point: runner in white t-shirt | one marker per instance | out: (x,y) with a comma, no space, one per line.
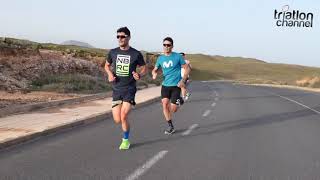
(184,91)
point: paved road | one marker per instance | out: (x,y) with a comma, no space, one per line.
(226,131)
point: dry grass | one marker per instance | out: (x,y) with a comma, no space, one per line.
(205,67)
(250,71)
(313,82)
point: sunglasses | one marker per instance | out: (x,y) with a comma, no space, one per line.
(121,37)
(167,45)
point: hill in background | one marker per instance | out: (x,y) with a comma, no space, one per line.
(249,70)
(70,68)
(77,43)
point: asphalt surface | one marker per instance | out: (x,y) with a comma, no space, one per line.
(225,131)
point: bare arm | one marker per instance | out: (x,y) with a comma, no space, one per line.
(111,77)
(143,71)
(154,73)
(186,72)
(185,75)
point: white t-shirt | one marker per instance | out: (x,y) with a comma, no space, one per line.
(182,69)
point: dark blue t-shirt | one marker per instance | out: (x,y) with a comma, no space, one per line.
(123,63)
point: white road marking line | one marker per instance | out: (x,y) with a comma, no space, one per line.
(213,104)
(318,112)
(141,170)
(206,113)
(189,130)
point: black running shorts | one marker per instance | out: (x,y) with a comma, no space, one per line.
(172,93)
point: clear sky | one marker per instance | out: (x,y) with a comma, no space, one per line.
(230,27)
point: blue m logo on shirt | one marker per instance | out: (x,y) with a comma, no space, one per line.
(167,64)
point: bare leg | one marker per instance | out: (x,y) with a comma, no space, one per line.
(116,112)
(166,109)
(125,110)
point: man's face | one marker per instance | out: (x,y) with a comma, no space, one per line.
(123,39)
(167,46)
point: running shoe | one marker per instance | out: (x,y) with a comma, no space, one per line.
(125,145)
(170,130)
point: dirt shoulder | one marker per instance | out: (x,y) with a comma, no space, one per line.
(19,98)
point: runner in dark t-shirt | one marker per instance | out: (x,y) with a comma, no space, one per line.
(121,67)
(124,62)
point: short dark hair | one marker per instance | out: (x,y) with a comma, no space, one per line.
(168,39)
(124,30)
(182,54)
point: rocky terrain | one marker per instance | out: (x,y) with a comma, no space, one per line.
(20,65)
(31,72)
(24,63)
